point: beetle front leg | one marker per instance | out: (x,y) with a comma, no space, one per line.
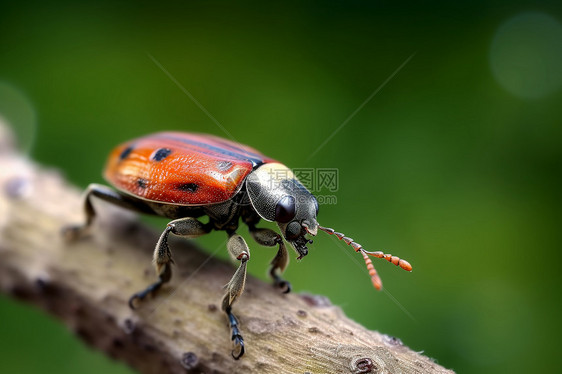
(73,232)
(239,250)
(270,238)
(188,227)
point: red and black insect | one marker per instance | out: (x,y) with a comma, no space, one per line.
(183,176)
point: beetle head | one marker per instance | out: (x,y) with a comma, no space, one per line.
(277,195)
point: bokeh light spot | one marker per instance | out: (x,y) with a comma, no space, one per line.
(526,55)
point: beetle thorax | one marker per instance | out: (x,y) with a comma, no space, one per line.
(266,186)
(277,195)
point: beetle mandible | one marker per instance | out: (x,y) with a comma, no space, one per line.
(184,176)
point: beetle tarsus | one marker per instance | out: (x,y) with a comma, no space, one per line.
(237,339)
(285,286)
(144,293)
(282,284)
(239,344)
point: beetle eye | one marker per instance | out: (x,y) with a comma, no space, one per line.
(285,209)
(293,230)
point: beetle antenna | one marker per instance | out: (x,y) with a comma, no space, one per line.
(377,283)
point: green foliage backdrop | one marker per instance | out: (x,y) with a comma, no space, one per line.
(455,164)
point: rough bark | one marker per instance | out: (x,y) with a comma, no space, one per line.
(181,330)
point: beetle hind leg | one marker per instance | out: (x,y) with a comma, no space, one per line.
(239,250)
(74,232)
(270,238)
(188,227)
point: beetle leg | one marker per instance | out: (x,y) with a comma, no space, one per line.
(188,227)
(270,238)
(73,232)
(239,250)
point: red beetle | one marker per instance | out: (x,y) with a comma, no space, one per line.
(184,176)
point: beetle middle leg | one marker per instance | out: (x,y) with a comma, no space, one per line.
(270,238)
(239,250)
(188,227)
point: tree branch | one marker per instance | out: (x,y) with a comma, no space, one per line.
(87,285)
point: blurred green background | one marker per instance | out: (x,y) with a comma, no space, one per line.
(455,164)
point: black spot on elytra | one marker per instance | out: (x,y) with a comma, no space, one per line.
(224,165)
(142,183)
(160,154)
(188,187)
(126,152)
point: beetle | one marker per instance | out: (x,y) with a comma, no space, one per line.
(185,176)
